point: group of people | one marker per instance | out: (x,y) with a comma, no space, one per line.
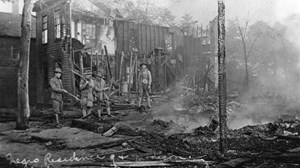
(93,89)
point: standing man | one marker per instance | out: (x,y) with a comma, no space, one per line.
(102,98)
(87,98)
(144,82)
(57,91)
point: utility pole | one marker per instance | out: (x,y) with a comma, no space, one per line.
(222,75)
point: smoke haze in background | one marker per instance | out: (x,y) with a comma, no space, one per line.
(276,94)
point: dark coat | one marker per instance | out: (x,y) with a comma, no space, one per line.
(57,87)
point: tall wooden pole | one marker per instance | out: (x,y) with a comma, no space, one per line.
(23,72)
(91,57)
(222,75)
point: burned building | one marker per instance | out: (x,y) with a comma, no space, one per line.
(67,30)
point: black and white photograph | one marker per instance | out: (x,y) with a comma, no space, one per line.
(150,83)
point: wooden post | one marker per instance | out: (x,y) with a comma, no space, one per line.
(91,60)
(81,63)
(130,71)
(97,60)
(121,63)
(158,69)
(222,75)
(108,64)
(102,55)
(136,73)
(165,74)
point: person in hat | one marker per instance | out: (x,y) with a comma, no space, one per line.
(144,83)
(102,98)
(86,88)
(57,91)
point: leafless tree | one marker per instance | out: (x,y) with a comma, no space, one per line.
(243,32)
(23,73)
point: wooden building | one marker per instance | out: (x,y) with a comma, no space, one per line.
(10,37)
(70,29)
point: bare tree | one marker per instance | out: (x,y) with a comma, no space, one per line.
(23,98)
(243,32)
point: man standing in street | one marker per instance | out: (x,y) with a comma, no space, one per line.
(86,87)
(144,82)
(56,94)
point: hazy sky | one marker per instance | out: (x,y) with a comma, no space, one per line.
(269,11)
(205,10)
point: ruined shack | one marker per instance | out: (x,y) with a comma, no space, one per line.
(67,30)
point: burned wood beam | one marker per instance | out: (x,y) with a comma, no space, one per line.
(222,75)
(128,131)
(141,148)
(279,158)
(236,162)
(289,137)
(108,64)
(112,144)
(94,127)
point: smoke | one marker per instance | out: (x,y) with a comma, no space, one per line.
(275,95)
(181,111)
(288,14)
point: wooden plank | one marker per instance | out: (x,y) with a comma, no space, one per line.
(148,39)
(126,36)
(140,38)
(160,37)
(153,37)
(295,150)
(119,32)
(144,38)
(123,36)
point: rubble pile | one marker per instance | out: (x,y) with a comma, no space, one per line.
(160,139)
(250,142)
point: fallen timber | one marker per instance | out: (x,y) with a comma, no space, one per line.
(160,163)
(282,158)
(94,127)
